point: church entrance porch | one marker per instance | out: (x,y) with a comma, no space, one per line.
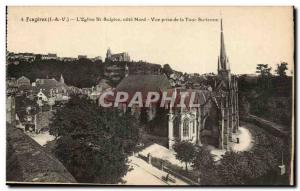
(210,134)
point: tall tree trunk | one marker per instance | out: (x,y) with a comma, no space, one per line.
(186,166)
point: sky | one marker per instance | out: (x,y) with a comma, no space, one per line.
(253,35)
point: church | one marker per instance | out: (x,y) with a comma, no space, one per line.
(119,57)
(212,122)
(217,118)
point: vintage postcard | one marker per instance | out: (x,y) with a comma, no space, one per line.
(165,96)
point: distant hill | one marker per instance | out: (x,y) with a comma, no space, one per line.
(80,73)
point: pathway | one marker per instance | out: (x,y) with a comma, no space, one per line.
(146,174)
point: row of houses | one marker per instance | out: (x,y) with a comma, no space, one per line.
(33,104)
(15,58)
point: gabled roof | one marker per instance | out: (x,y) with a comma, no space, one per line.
(47,84)
(144,83)
(103,83)
(119,54)
(23,78)
(201,96)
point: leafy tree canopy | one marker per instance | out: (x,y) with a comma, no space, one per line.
(167,70)
(239,168)
(92,142)
(204,164)
(281,69)
(263,70)
(185,152)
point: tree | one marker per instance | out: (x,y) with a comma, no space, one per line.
(263,70)
(167,70)
(185,152)
(93,142)
(281,69)
(204,164)
(241,168)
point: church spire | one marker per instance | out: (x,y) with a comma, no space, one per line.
(224,64)
(62,80)
(108,53)
(219,67)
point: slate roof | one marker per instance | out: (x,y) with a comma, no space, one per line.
(27,161)
(119,54)
(201,96)
(23,78)
(103,84)
(146,83)
(142,83)
(47,84)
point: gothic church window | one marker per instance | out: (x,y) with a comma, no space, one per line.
(176,126)
(186,127)
(193,126)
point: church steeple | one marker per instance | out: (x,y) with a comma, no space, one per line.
(108,53)
(219,67)
(223,59)
(62,80)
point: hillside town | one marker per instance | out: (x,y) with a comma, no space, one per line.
(201,144)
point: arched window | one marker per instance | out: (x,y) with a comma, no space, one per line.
(194,126)
(186,127)
(176,123)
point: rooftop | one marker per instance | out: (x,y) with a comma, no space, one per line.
(28,162)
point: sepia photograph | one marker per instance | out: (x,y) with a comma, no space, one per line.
(150,95)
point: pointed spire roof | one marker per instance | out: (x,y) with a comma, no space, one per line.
(108,50)
(219,63)
(108,53)
(223,59)
(62,80)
